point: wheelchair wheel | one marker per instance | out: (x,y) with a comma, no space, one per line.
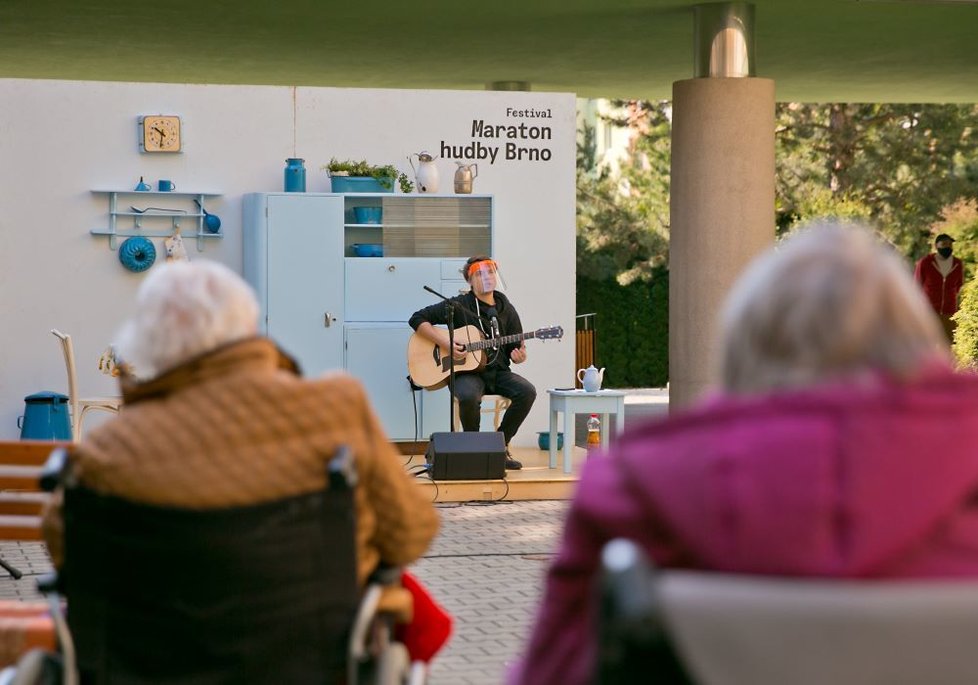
(393,665)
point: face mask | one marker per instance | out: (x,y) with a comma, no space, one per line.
(945,252)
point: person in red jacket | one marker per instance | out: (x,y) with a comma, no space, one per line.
(941,275)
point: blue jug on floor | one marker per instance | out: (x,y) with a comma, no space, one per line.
(45,417)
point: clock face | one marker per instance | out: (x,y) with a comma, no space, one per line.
(160,133)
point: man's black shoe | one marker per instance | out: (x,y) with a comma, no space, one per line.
(512,464)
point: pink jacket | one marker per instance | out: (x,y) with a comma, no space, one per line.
(875,480)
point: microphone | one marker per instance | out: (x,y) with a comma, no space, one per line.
(493,326)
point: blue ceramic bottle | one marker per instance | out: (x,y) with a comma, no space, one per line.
(295,175)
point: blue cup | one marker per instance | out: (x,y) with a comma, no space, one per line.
(166,186)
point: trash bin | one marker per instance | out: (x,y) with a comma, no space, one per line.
(45,417)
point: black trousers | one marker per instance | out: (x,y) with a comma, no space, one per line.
(470,387)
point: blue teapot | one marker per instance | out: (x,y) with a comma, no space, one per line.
(591,378)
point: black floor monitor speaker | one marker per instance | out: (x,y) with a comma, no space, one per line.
(467,456)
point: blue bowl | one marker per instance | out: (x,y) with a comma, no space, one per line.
(368,249)
(368,215)
(543,440)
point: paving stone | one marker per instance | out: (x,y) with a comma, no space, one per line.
(493,593)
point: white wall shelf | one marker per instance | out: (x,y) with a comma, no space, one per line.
(156,216)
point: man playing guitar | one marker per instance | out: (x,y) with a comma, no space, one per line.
(492,313)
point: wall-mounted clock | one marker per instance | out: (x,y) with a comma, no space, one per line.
(160,133)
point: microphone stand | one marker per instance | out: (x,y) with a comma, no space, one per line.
(450,315)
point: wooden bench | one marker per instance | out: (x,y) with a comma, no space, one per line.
(21,499)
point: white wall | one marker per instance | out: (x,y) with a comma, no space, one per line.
(61,139)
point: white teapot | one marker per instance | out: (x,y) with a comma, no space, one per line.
(591,378)
(426,173)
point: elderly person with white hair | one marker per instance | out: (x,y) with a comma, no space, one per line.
(220,418)
(840,443)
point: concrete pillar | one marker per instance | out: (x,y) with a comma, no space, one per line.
(722,213)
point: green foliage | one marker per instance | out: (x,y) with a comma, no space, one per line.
(822,203)
(909,170)
(966,333)
(623,221)
(622,249)
(632,328)
(896,164)
(386,174)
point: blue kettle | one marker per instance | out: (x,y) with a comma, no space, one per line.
(212,222)
(45,417)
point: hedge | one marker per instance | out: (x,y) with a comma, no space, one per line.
(631,329)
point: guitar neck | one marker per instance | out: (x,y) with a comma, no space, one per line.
(502,340)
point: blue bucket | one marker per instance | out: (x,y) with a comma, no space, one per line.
(543,440)
(45,417)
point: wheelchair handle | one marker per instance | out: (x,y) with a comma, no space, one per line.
(55,470)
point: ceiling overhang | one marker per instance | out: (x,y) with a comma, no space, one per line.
(825,50)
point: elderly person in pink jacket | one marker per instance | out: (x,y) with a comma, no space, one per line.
(840,443)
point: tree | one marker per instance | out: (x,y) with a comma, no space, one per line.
(910,170)
(623,220)
(622,249)
(898,165)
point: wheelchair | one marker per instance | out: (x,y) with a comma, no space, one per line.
(242,595)
(690,627)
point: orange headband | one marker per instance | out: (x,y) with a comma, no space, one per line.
(474,266)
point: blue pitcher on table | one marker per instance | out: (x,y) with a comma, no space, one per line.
(591,378)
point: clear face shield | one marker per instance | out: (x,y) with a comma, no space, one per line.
(484,277)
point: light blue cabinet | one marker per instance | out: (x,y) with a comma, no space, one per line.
(293,258)
(334,310)
(375,355)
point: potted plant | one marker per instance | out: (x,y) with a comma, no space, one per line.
(351,176)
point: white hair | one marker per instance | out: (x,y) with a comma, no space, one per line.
(184,309)
(830,301)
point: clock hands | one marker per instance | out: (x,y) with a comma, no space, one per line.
(160,133)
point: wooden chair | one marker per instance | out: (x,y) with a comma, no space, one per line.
(491,404)
(21,503)
(81,405)
(21,498)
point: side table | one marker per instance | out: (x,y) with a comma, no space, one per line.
(571,402)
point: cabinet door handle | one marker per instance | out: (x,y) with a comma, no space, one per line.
(328,319)
(391,268)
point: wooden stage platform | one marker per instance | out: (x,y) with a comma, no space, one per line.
(535,481)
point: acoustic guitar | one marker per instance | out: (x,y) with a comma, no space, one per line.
(428,363)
